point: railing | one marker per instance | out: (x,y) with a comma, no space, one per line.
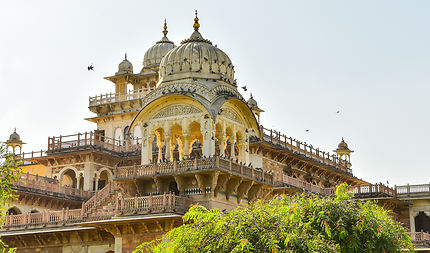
(419,237)
(413,189)
(306,186)
(39,183)
(154,204)
(175,167)
(165,202)
(374,189)
(304,149)
(98,197)
(92,139)
(116,97)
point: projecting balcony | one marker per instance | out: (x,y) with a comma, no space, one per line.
(305,150)
(110,98)
(49,187)
(85,141)
(195,165)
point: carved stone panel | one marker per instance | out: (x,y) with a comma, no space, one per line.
(176,110)
(230,114)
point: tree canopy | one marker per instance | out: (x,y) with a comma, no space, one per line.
(9,173)
(296,223)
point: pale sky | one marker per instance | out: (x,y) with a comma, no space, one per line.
(302,60)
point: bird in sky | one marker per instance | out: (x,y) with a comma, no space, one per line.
(91,67)
(244,88)
(307,130)
(338,111)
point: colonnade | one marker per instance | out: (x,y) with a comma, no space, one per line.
(186,138)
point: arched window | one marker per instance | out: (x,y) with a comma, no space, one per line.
(422,222)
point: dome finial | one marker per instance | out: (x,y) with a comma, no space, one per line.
(126,56)
(165,28)
(14,129)
(196,23)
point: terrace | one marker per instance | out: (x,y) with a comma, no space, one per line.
(166,203)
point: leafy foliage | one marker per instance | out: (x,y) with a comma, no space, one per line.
(298,223)
(9,172)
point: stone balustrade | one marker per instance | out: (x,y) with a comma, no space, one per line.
(304,149)
(376,189)
(37,184)
(131,205)
(301,184)
(109,98)
(198,164)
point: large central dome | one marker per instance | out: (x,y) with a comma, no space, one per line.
(196,57)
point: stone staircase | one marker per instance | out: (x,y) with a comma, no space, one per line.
(103,201)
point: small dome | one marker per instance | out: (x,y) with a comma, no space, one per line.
(196,57)
(154,54)
(14,137)
(251,102)
(125,67)
(342,145)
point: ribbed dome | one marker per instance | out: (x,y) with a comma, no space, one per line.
(14,137)
(342,145)
(125,67)
(155,53)
(251,102)
(196,57)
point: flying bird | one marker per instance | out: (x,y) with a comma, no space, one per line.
(91,67)
(244,88)
(307,130)
(337,111)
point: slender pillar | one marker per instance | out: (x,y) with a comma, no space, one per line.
(168,147)
(186,147)
(160,149)
(96,183)
(232,151)
(221,142)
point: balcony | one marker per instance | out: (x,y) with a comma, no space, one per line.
(195,165)
(167,203)
(110,98)
(49,187)
(305,150)
(371,191)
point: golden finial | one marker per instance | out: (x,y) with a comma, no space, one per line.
(196,23)
(165,28)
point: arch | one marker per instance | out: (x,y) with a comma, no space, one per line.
(69,178)
(65,170)
(14,211)
(118,134)
(422,222)
(244,113)
(155,106)
(127,133)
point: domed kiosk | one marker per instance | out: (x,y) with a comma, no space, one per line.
(196,109)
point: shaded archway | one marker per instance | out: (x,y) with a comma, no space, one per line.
(173,188)
(69,178)
(13,211)
(422,222)
(103,180)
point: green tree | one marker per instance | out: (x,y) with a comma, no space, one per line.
(9,173)
(298,223)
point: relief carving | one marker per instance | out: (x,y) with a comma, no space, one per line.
(177,110)
(229,114)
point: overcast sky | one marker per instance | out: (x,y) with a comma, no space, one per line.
(302,60)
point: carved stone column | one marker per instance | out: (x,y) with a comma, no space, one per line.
(222,145)
(168,147)
(186,148)
(232,151)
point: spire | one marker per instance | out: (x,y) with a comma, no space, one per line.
(14,130)
(125,56)
(165,28)
(196,23)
